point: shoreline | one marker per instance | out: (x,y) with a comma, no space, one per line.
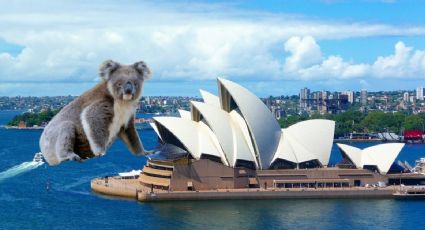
(358,140)
(18,128)
(150,128)
(133,189)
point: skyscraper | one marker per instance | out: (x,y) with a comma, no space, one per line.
(413,99)
(363,97)
(420,93)
(304,95)
(406,97)
(350,95)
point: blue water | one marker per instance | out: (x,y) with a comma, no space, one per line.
(25,203)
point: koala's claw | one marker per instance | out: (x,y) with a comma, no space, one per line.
(101,154)
(148,152)
(144,152)
(75,157)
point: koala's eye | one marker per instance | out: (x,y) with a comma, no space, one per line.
(119,84)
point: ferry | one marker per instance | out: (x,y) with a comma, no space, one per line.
(38,157)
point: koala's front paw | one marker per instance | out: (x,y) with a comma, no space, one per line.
(148,152)
(143,152)
(75,157)
(101,154)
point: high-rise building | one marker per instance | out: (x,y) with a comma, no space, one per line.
(269,102)
(318,103)
(420,93)
(304,96)
(277,113)
(413,99)
(406,97)
(317,95)
(350,95)
(363,97)
(325,95)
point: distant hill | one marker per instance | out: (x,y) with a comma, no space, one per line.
(33,119)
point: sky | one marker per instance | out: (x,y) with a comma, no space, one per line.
(271,47)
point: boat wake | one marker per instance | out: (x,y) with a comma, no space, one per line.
(21,168)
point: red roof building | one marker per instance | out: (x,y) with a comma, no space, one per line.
(413,135)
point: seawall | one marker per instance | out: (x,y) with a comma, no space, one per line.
(115,187)
(263,194)
(131,188)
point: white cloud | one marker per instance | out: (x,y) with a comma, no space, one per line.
(405,62)
(305,61)
(304,52)
(66,41)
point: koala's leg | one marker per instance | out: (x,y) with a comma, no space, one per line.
(65,143)
(95,119)
(131,138)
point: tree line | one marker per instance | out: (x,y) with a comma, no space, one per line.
(371,122)
(345,123)
(32,119)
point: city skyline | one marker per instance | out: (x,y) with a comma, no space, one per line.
(272,48)
(307,101)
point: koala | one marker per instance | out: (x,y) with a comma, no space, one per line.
(87,126)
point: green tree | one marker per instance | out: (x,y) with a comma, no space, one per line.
(285,122)
(353,120)
(32,119)
(414,122)
(378,121)
(348,122)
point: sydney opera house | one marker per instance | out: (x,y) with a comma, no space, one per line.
(237,130)
(232,142)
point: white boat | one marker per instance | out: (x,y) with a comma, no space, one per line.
(132,173)
(420,166)
(38,157)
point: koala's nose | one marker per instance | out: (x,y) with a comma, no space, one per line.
(128,88)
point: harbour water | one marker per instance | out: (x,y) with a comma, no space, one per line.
(60,198)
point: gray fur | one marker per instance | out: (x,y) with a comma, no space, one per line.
(107,68)
(129,136)
(88,125)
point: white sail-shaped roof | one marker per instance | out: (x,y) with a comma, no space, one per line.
(186,131)
(263,127)
(382,156)
(218,121)
(242,141)
(306,141)
(196,137)
(301,152)
(228,134)
(238,128)
(210,98)
(284,150)
(184,114)
(354,154)
(316,136)
(208,143)
(152,124)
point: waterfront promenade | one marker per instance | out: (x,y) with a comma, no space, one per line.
(131,188)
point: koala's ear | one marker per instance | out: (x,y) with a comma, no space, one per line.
(107,68)
(143,69)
